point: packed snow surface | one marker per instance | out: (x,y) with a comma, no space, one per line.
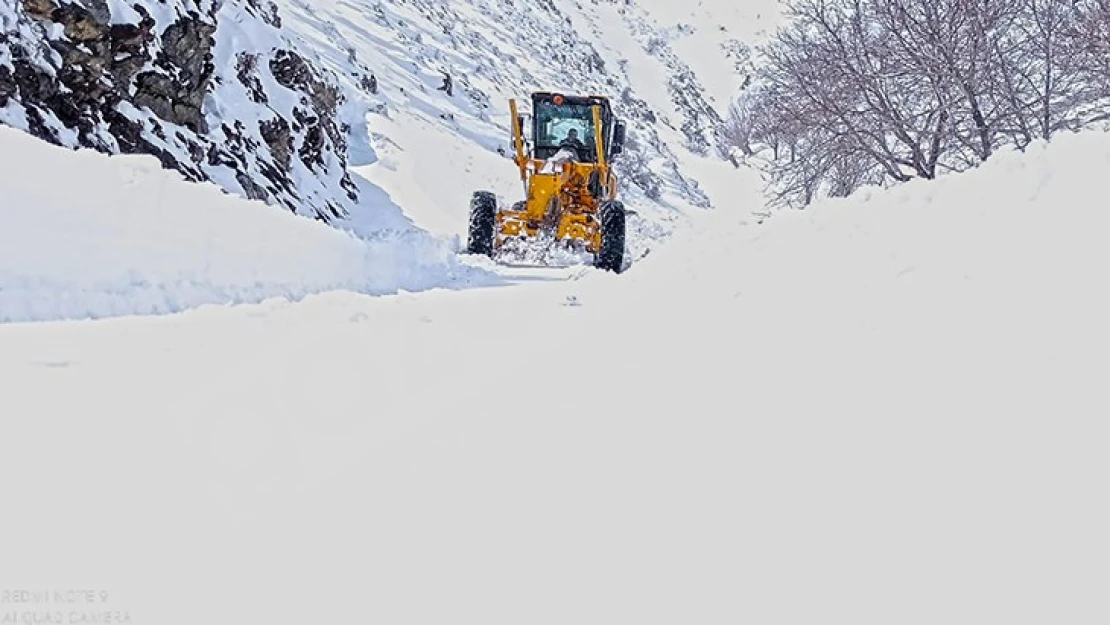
(885,409)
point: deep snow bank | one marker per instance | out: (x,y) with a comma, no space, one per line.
(1024,225)
(972,297)
(124,236)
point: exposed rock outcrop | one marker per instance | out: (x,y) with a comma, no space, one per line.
(154,81)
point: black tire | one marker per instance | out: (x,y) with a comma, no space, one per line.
(483,219)
(610,256)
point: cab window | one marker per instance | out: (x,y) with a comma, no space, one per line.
(554,121)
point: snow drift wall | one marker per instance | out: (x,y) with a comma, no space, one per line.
(125,236)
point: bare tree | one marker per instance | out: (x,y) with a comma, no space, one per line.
(1041,77)
(1089,38)
(855,92)
(848,113)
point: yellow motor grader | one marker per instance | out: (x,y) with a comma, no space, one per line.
(569,184)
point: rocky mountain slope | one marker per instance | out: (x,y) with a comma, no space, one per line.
(332,108)
(213,89)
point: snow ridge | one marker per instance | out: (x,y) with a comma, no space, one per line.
(128,237)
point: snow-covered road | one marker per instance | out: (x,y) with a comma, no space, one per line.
(733,431)
(886,409)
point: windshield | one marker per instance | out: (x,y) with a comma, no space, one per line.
(555,121)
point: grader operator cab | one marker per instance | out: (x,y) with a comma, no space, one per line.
(570,188)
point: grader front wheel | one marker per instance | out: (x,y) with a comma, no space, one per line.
(610,256)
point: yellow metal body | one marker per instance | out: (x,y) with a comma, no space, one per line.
(558,199)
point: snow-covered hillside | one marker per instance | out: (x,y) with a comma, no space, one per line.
(714,38)
(324,107)
(889,408)
(433,150)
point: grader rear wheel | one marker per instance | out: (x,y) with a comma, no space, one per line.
(483,220)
